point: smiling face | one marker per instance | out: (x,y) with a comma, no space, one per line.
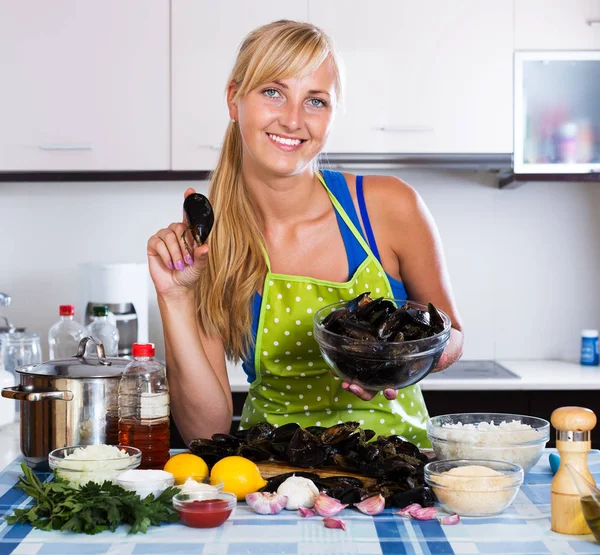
(285,123)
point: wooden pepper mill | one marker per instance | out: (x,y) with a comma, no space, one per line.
(573,441)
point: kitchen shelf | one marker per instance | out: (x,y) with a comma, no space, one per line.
(510,180)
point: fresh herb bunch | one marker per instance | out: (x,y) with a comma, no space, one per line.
(92,508)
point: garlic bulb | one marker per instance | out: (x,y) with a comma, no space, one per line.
(301,492)
(265,503)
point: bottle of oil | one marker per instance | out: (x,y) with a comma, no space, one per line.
(144,407)
(590,500)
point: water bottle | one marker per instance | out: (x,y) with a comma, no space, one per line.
(144,407)
(65,335)
(102,331)
(589,348)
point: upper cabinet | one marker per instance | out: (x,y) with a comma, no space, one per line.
(205,38)
(85,85)
(557,24)
(422,77)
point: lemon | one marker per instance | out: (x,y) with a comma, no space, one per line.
(186,465)
(240,476)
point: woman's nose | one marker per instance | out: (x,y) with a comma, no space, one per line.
(291,116)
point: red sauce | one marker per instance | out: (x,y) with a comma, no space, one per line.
(207,513)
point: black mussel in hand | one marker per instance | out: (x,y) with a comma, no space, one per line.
(200,216)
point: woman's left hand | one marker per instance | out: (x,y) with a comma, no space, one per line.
(368,395)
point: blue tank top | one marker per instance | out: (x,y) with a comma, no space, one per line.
(336,183)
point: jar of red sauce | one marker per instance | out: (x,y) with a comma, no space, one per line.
(204,509)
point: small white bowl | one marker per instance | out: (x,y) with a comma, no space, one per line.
(145,482)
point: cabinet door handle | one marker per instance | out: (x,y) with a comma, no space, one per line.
(211,147)
(65,147)
(406,129)
(594,22)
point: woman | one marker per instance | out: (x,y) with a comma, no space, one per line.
(287,240)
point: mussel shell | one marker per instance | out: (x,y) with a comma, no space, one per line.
(200,216)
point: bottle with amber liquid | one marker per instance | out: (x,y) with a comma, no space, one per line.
(144,407)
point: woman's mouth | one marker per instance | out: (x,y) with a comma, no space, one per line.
(286,144)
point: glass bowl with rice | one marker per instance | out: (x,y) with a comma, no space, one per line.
(513,438)
(80,464)
(474,487)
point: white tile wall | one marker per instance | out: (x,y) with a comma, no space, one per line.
(524,263)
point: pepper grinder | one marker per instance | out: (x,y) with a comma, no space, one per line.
(573,440)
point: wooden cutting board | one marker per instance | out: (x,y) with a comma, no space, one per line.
(268,469)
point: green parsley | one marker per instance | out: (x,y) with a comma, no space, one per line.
(90,509)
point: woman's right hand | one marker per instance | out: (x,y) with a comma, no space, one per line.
(173,269)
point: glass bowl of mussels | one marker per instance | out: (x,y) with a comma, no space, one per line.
(381,343)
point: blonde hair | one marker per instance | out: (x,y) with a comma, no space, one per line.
(237,266)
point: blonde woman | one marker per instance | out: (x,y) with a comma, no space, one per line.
(287,240)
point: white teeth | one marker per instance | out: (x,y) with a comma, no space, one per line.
(290,142)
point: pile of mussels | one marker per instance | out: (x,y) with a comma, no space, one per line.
(395,463)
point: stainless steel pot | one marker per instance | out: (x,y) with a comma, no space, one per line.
(67,402)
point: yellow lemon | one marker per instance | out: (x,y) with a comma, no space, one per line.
(186,465)
(240,476)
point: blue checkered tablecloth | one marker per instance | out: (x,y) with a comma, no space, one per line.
(524,528)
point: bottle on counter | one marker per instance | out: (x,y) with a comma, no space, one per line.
(144,407)
(102,331)
(589,348)
(64,336)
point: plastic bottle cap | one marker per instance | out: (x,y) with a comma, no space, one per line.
(589,333)
(66,310)
(142,350)
(100,310)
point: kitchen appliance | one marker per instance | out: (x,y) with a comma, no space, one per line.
(67,402)
(124,289)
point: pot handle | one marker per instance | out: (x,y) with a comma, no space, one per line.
(19,394)
(99,350)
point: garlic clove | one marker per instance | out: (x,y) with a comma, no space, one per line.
(327,506)
(306,512)
(450,519)
(371,505)
(265,503)
(427,513)
(330,522)
(407,510)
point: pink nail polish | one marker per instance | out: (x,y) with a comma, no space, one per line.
(170,264)
(354,389)
(188,259)
(180,265)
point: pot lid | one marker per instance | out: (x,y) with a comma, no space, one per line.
(79,366)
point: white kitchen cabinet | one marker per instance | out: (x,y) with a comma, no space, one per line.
(85,85)
(205,38)
(422,77)
(557,24)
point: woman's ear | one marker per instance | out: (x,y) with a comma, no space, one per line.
(232,89)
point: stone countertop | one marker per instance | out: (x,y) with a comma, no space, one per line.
(533,374)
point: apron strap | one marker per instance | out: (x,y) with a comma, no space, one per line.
(344,216)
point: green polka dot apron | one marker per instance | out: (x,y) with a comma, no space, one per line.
(293,383)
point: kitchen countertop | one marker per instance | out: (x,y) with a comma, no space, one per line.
(533,374)
(523,528)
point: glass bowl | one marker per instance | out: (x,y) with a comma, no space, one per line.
(204,509)
(467,436)
(95,468)
(469,495)
(379,365)
(145,482)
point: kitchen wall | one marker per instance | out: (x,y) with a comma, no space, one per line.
(524,263)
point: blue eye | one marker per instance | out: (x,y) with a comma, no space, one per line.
(271,93)
(317,103)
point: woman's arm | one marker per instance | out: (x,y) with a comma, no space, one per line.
(201,402)
(411,250)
